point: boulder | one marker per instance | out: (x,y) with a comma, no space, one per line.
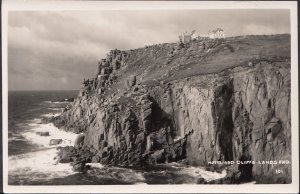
(55,141)
(201,180)
(65,154)
(79,140)
(64,159)
(80,167)
(43,133)
(157,157)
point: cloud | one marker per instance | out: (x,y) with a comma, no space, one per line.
(57,49)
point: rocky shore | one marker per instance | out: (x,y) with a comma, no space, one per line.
(227,101)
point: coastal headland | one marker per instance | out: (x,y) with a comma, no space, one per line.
(206,100)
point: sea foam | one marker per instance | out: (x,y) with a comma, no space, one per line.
(37,166)
(54,133)
(50,115)
(41,165)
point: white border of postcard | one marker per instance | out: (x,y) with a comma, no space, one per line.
(19,5)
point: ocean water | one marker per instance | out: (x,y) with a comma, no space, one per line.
(31,158)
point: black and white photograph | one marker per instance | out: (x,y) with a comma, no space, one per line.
(153,95)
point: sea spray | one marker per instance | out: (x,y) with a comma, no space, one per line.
(40,165)
(54,133)
(36,166)
(48,115)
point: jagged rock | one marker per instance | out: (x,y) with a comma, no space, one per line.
(55,141)
(80,167)
(135,89)
(132,81)
(65,154)
(201,181)
(79,140)
(105,70)
(116,64)
(157,157)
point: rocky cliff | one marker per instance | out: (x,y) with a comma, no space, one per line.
(208,100)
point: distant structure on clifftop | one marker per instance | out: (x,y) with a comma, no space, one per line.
(187,37)
(217,33)
(212,34)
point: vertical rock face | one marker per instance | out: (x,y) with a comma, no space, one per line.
(262,117)
(245,117)
(237,114)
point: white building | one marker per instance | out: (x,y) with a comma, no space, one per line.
(194,35)
(214,34)
(217,33)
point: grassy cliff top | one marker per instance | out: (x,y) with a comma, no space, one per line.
(171,61)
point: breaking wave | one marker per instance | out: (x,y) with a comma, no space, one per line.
(40,165)
(35,167)
(50,115)
(54,133)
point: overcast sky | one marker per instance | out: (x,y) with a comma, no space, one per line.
(56,50)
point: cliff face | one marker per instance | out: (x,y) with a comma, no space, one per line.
(222,100)
(245,117)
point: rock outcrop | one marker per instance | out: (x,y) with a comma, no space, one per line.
(43,133)
(164,103)
(55,141)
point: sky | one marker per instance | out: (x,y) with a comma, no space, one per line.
(55,50)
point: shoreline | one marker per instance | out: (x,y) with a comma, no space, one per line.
(45,156)
(48,166)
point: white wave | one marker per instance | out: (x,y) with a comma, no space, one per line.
(37,166)
(116,173)
(54,133)
(50,115)
(95,165)
(201,172)
(139,178)
(34,122)
(15,139)
(61,102)
(56,109)
(197,172)
(41,165)
(55,102)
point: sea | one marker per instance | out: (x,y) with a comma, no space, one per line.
(31,160)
